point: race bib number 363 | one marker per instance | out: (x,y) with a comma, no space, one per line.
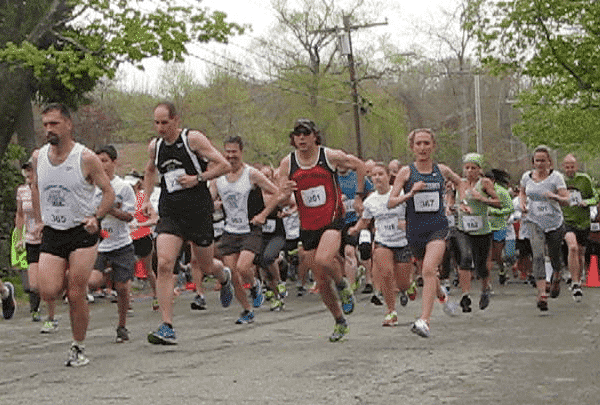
(314,197)
(427,201)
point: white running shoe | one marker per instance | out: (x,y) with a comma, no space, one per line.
(421,328)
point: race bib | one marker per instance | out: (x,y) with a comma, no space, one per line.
(171,180)
(595,227)
(387,227)
(451,221)
(313,197)
(427,201)
(540,208)
(575,198)
(472,223)
(364,236)
(269,226)
(349,205)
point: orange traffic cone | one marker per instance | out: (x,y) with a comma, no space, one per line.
(593,279)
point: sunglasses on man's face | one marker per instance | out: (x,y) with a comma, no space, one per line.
(302,131)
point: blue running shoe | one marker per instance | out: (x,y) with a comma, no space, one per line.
(226,292)
(245,317)
(347,298)
(9,304)
(257,295)
(165,335)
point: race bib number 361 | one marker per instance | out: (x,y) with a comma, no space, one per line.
(313,197)
(427,201)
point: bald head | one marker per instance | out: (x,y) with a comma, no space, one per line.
(394,166)
(569,165)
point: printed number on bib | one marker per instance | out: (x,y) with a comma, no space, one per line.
(349,205)
(540,208)
(595,227)
(171,180)
(427,201)
(269,226)
(313,197)
(575,198)
(472,223)
(58,219)
(387,227)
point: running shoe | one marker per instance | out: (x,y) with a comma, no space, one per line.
(484,299)
(9,305)
(165,335)
(50,326)
(347,298)
(90,298)
(35,316)
(76,356)
(301,291)
(412,291)
(340,330)
(314,289)
(377,299)
(555,285)
(390,319)
(450,308)
(245,317)
(226,291)
(419,281)
(368,289)
(122,334)
(465,303)
(282,290)
(199,303)
(542,303)
(421,328)
(269,295)
(403,298)
(276,304)
(257,295)
(446,285)
(502,277)
(155,305)
(577,293)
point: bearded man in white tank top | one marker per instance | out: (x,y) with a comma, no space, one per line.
(62,194)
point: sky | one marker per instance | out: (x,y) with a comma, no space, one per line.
(405,19)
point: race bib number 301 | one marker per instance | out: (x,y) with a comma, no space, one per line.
(427,201)
(314,197)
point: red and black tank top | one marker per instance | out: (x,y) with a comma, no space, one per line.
(318,193)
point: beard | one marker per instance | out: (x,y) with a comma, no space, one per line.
(52,139)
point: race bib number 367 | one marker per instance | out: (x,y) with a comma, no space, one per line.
(427,201)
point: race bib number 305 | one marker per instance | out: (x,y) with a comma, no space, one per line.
(427,201)
(171,180)
(314,197)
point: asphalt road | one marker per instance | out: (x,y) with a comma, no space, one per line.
(511,353)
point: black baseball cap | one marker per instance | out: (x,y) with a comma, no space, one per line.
(109,150)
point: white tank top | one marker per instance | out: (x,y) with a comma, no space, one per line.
(66,197)
(235,202)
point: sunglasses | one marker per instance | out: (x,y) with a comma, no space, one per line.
(302,131)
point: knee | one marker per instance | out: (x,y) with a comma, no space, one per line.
(165,265)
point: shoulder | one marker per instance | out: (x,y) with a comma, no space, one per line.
(88,156)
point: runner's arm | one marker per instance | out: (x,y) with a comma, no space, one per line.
(200,144)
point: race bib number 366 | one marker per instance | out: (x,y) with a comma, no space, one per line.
(313,197)
(427,201)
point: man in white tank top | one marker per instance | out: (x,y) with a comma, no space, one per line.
(242,237)
(62,195)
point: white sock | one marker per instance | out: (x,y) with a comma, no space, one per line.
(4,292)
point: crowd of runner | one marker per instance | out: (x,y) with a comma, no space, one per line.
(321,217)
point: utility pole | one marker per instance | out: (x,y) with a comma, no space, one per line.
(346,49)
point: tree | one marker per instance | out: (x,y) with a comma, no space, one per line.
(57,50)
(554,44)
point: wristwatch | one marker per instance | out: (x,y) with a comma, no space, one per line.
(200,178)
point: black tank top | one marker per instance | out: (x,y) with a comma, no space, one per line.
(187,201)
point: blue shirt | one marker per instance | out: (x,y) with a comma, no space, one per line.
(348,184)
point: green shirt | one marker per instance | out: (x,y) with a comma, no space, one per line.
(477,222)
(580,189)
(498,216)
